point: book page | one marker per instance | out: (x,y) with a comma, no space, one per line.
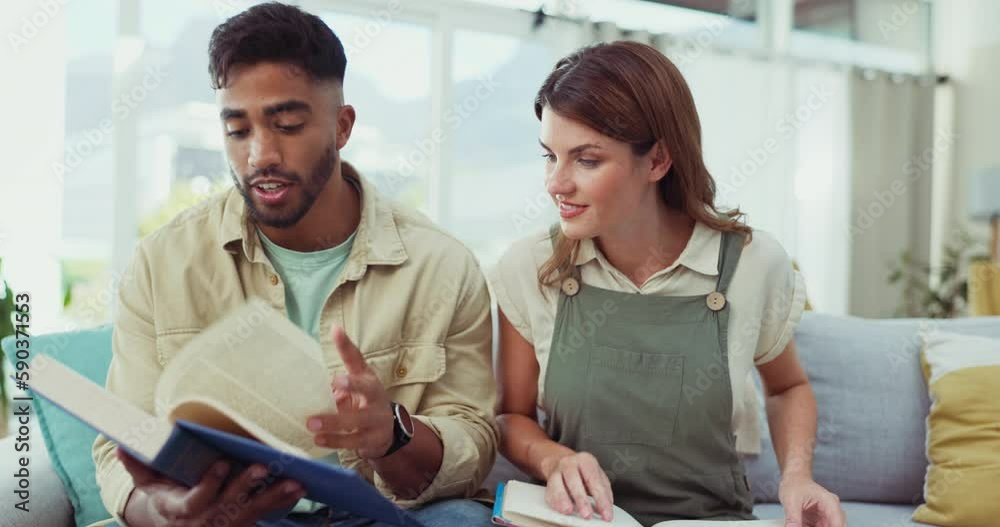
(255,374)
(109,414)
(526,500)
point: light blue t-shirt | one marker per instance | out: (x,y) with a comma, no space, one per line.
(309,279)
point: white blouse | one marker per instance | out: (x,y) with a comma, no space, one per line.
(766,298)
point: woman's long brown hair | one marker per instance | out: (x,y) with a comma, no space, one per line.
(633,93)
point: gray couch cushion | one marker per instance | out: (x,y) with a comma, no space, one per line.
(858,514)
(872,403)
(48,505)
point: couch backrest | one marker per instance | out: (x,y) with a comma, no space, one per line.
(872,402)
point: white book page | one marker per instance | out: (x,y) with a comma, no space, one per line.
(526,499)
(111,415)
(258,370)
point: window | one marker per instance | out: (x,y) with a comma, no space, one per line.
(884,34)
(391,144)
(444,98)
(85,166)
(495,191)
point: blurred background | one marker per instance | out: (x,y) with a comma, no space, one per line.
(861,133)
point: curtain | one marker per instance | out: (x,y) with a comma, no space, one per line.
(892,149)
(775,138)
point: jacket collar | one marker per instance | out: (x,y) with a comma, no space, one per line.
(376,242)
(701,254)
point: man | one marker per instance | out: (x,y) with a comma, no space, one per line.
(411,368)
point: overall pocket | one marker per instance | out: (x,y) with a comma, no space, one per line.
(632,397)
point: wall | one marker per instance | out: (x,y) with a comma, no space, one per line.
(967,47)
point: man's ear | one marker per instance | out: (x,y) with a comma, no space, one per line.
(345,124)
(660,161)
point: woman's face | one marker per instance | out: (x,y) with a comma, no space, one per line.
(597,182)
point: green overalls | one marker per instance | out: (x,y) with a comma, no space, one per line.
(642,383)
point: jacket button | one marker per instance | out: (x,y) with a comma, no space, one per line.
(401,371)
(274,279)
(715,301)
(571,286)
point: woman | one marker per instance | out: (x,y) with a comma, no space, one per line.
(630,328)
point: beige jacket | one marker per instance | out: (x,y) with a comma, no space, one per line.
(412,298)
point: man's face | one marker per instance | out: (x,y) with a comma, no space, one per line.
(283,132)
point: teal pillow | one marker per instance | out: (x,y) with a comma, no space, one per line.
(68,440)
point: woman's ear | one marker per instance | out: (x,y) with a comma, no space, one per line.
(660,161)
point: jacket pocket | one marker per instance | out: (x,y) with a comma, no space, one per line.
(408,363)
(632,397)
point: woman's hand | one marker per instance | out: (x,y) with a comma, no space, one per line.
(807,504)
(571,479)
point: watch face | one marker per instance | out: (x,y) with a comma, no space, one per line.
(405,421)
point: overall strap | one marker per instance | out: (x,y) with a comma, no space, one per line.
(571,285)
(730,249)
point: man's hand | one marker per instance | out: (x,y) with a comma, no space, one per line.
(157,501)
(364,421)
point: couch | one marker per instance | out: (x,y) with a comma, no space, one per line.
(872,403)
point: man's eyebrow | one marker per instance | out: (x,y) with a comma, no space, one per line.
(293,105)
(232,113)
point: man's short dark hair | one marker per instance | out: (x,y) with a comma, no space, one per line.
(276,32)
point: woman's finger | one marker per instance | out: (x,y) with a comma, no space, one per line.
(599,487)
(556,495)
(574,484)
(833,512)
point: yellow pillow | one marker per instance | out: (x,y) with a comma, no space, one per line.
(963,431)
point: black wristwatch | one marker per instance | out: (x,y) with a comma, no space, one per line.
(402,428)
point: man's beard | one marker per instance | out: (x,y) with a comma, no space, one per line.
(311,189)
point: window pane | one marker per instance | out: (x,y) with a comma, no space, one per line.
(179,142)
(894,24)
(706,24)
(495,191)
(85,167)
(391,144)
(741,9)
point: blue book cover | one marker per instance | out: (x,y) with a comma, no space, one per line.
(184,451)
(498,507)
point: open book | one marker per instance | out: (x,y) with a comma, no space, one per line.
(241,390)
(520,504)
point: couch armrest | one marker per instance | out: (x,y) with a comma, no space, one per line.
(47,502)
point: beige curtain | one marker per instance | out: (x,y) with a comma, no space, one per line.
(892,148)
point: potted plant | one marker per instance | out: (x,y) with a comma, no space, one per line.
(6,328)
(922,297)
